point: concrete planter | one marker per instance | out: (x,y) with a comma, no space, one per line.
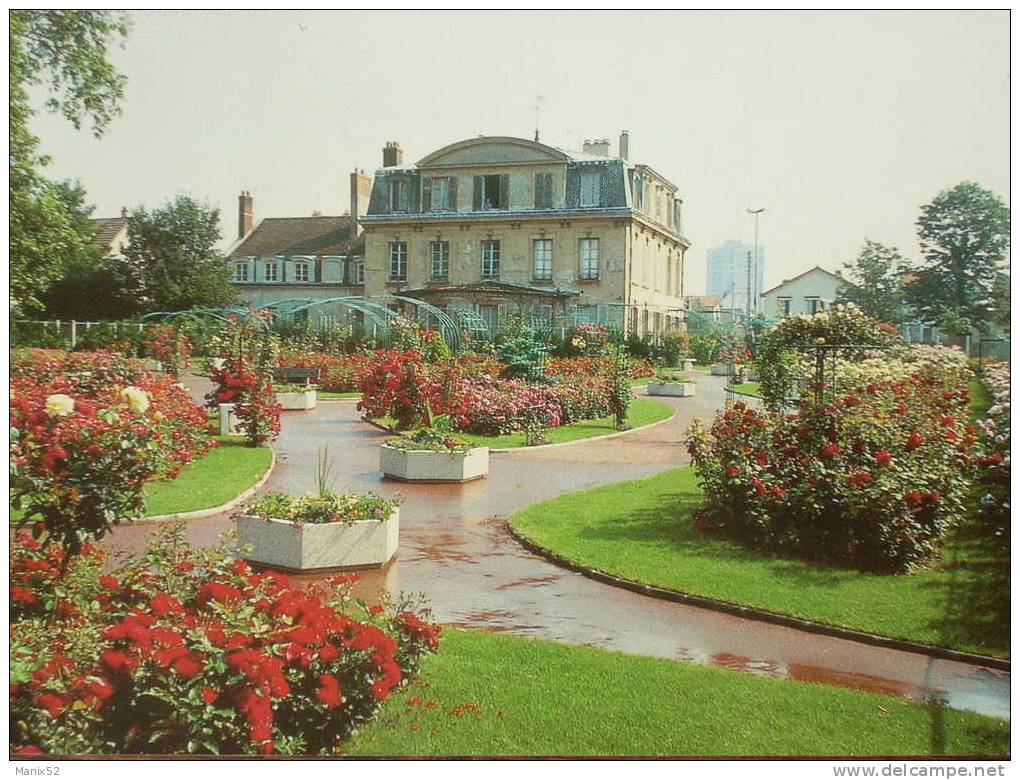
(228,420)
(317,546)
(687,364)
(428,466)
(151,365)
(750,374)
(724,369)
(674,389)
(298,399)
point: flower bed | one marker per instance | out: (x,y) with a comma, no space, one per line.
(330,531)
(993,461)
(432,455)
(873,479)
(251,392)
(337,374)
(192,652)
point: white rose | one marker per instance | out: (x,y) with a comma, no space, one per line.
(59,405)
(137,399)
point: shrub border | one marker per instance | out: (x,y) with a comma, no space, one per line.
(755,613)
(197,514)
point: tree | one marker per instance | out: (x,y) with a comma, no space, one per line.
(67,52)
(873,281)
(172,262)
(964,237)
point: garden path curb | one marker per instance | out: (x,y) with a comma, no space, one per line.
(754,613)
(197,514)
(600,437)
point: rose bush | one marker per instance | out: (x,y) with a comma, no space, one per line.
(81,452)
(254,399)
(872,479)
(167,345)
(192,652)
(993,462)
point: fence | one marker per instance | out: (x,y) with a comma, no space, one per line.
(60,331)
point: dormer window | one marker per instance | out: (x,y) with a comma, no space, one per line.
(492,192)
(589,188)
(397,199)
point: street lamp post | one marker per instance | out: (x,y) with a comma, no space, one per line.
(757,213)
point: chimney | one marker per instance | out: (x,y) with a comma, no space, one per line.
(624,145)
(361,193)
(599,147)
(245,213)
(392,155)
(123,212)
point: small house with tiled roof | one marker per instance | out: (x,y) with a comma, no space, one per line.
(305,258)
(112,235)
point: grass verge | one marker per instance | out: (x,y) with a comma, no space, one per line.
(328,394)
(500,695)
(746,388)
(224,473)
(642,530)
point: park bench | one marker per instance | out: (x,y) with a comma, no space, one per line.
(296,376)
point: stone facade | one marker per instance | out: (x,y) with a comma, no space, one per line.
(505,226)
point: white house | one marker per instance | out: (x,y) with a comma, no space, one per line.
(806,293)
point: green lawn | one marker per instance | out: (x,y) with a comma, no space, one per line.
(500,695)
(642,412)
(642,530)
(328,394)
(747,388)
(224,473)
(980,398)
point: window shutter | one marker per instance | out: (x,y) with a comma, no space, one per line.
(476,201)
(548,190)
(426,195)
(504,190)
(451,193)
(405,196)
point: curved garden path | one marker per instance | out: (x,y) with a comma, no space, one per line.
(454,549)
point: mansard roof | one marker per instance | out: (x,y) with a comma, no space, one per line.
(486,150)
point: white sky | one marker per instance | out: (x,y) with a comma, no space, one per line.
(840,124)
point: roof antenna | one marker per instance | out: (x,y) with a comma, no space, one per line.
(538,102)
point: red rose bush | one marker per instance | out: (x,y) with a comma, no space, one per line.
(872,478)
(193,652)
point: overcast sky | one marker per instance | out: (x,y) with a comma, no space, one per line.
(841,125)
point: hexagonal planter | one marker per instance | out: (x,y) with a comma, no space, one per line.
(724,369)
(298,400)
(433,466)
(319,546)
(674,389)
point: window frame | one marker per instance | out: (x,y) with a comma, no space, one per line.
(299,266)
(275,275)
(443,257)
(490,255)
(396,191)
(584,258)
(398,254)
(547,245)
(357,267)
(240,271)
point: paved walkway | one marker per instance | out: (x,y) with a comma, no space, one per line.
(453,548)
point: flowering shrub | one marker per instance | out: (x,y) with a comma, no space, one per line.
(992,464)
(328,507)
(588,340)
(873,478)
(80,372)
(253,396)
(841,325)
(124,337)
(167,345)
(572,368)
(81,456)
(737,354)
(674,347)
(341,374)
(192,652)
(396,386)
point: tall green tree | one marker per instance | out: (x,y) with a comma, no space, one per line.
(873,281)
(172,260)
(65,52)
(964,237)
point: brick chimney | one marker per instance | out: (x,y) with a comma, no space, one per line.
(392,155)
(624,145)
(361,193)
(123,212)
(245,213)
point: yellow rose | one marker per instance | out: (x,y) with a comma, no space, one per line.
(59,405)
(137,399)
